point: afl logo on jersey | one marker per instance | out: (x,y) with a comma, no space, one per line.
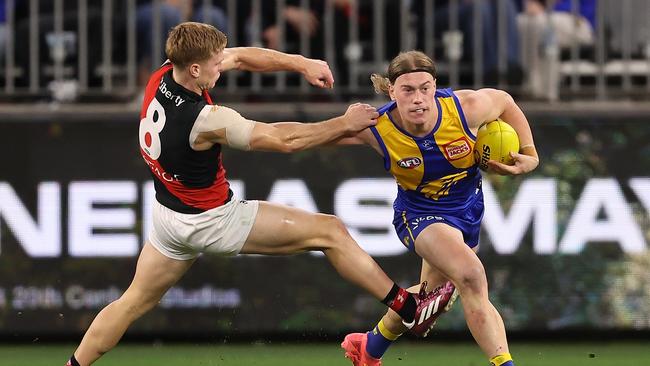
(410,163)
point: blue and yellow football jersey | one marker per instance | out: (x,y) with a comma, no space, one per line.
(437,172)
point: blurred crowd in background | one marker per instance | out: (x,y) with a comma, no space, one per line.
(529,47)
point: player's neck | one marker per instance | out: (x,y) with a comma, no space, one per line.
(185,81)
(415,129)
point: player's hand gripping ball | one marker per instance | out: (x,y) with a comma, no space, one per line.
(495,140)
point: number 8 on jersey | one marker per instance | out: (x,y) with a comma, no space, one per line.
(150,127)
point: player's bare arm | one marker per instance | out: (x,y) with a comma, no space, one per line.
(295,136)
(489,104)
(365,137)
(222,125)
(256,59)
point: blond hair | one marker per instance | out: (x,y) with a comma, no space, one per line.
(192,42)
(404,63)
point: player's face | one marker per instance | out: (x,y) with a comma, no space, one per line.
(414,93)
(210,71)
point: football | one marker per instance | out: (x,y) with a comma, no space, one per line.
(494,141)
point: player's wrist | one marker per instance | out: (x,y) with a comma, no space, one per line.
(532,164)
(300,63)
(344,126)
(529,150)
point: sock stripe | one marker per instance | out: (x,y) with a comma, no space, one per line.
(381,327)
(500,360)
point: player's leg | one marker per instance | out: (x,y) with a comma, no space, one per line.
(434,279)
(372,345)
(154,275)
(443,247)
(286,230)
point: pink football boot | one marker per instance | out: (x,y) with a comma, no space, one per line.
(354,345)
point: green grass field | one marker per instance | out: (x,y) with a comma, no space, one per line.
(402,354)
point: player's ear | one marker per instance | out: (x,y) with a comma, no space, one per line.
(391,91)
(195,70)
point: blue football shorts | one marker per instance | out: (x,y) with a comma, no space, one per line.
(409,225)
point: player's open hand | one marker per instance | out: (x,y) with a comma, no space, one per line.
(523,164)
(360,116)
(318,73)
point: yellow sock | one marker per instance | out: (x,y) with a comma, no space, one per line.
(499,360)
(385,332)
(379,339)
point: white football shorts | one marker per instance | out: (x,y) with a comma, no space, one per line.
(222,230)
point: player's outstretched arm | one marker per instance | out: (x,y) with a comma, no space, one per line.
(256,59)
(222,125)
(489,104)
(295,136)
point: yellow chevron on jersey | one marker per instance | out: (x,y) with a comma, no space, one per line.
(441,187)
(437,167)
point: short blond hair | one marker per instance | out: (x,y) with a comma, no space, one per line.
(404,63)
(192,42)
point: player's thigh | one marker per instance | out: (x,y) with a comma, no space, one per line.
(154,275)
(443,248)
(282,229)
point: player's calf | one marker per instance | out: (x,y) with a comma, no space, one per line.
(357,266)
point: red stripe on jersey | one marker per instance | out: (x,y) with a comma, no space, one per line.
(152,87)
(202,198)
(207,97)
